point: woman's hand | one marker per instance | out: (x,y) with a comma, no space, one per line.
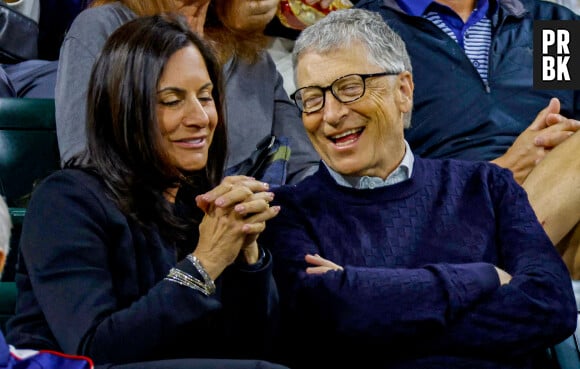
(236,212)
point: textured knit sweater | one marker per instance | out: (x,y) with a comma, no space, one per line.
(419,288)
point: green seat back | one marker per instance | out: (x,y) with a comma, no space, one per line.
(7,302)
(28,153)
(28,146)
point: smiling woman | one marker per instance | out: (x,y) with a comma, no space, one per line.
(150,241)
(186,109)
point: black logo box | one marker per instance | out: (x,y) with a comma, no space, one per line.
(573,63)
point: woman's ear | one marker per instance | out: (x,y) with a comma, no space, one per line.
(405,89)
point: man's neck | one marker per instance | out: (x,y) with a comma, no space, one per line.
(463,8)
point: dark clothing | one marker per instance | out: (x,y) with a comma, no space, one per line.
(56,17)
(419,288)
(91,282)
(6,87)
(32,78)
(457,115)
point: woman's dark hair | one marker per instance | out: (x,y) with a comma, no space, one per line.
(125,144)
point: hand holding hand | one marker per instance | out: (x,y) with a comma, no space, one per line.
(548,130)
(321,265)
(236,212)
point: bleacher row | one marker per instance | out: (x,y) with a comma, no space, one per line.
(29,152)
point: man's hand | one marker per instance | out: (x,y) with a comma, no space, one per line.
(321,265)
(504,277)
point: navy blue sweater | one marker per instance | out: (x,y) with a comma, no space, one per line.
(455,114)
(419,288)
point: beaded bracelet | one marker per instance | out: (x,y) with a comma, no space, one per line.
(209,284)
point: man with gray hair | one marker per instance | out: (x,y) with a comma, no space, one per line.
(384,259)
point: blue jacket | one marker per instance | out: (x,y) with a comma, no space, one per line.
(455,114)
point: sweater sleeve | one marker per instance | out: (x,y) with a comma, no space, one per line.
(439,307)
(84,271)
(395,302)
(78,53)
(513,319)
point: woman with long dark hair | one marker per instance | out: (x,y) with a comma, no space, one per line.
(138,251)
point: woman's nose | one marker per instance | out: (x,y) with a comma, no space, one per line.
(195,114)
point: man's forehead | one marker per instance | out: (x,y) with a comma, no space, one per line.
(321,68)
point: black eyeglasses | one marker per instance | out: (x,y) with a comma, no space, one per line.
(345,89)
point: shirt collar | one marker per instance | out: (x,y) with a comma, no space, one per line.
(418,7)
(414,7)
(401,173)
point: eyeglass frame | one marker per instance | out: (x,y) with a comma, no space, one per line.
(363,76)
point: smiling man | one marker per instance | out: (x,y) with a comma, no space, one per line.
(387,260)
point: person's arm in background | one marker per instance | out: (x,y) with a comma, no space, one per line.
(78,53)
(546,132)
(248,16)
(537,158)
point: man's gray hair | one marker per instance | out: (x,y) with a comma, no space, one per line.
(5,228)
(342,28)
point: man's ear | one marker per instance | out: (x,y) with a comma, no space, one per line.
(406,87)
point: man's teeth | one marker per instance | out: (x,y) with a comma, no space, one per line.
(346,133)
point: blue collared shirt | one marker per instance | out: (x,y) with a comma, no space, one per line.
(400,174)
(474,36)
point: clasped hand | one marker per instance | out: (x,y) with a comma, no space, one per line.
(236,212)
(547,131)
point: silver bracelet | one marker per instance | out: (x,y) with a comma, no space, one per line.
(180,277)
(209,284)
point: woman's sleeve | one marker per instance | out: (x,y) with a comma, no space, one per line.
(251,307)
(73,244)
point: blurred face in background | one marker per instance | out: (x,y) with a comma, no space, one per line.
(246,16)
